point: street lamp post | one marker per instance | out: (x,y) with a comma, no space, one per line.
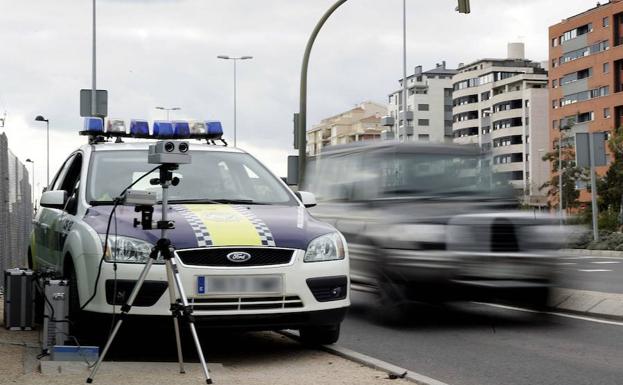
(40,118)
(32,188)
(168,109)
(235,59)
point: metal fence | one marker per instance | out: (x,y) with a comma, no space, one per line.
(15,209)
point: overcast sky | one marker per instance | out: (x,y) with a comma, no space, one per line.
(163,52)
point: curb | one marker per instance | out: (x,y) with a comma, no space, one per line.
(393,371)
(590,303)
(591,253)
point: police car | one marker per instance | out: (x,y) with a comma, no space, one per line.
(249,253)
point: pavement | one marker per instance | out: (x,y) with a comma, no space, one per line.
(146,354)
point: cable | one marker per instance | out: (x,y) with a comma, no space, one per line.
(117,201)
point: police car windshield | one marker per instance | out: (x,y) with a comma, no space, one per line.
(212,177)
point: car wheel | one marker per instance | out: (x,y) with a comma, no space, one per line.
(320,335)
(76,316)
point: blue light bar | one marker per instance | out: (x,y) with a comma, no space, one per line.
(163,129)
(139,128)
(215,129)
(181,129)
(93,126)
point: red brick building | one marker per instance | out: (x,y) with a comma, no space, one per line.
(586,73)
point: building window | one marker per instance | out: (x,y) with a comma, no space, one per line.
(607,112)
(606,67)
(554,83)
(422,122)
(554,63)
(485,96)
(423,137)
(555,42)
(555,103)
(421,91)
(422,107)
(605,21)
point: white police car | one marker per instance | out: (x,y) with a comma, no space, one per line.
(250,255)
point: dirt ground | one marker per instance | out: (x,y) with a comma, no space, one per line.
(146,355)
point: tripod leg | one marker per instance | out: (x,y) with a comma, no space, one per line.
(175,314)
(191,324)
(124,311)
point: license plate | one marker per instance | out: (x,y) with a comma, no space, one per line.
(246,284)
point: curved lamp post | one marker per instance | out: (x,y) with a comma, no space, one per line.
(40,118)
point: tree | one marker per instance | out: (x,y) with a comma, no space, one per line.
(610,186)
(571,175)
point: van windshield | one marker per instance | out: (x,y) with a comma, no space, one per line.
(213,176)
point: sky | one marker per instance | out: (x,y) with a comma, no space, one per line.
(163,53)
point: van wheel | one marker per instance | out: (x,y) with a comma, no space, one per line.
(320,335)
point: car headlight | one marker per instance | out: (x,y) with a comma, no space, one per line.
(126,250)
(328,247)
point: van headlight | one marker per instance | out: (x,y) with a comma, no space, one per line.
(126,250)
(328,247)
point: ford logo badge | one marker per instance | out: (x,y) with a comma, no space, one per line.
(238,256)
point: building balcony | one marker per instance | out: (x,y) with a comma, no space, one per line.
(511,149)
(505,96)
(502,132)
(473,139)
(465,124)
(506,114)
(465,108)
(507,167)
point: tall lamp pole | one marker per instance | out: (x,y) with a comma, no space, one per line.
(168,109)
(33,183)
(404,74)
(40,118)
(93,66)
(234,59)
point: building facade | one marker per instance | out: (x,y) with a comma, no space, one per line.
(429,100)
(15,209)
(501,105)
(357,124)
(586,75)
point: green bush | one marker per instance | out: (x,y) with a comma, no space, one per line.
(607,241)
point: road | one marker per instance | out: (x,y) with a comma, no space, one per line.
(476,344)
(592,273)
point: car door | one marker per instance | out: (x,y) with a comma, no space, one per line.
(44,224)
(65,220)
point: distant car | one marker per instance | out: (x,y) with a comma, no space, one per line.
(426,222)
(288,270)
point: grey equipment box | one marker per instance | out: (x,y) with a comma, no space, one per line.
(19,299)
(55,323)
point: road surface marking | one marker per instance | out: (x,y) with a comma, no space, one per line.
(605,262)
(578,317)
(593,270)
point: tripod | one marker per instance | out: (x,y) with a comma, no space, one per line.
(179,307)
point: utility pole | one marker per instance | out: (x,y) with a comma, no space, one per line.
(93,66)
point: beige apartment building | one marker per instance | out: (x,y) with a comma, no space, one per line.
(501,105)
(362,122)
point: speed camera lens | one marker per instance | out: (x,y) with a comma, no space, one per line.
(169,146)
(183,147)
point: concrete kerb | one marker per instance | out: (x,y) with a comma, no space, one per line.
(592,303)
(591,253)
(393,371)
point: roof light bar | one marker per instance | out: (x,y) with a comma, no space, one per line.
(215,129)
(116,127)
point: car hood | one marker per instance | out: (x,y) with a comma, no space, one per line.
(205,225)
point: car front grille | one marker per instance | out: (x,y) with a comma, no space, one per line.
(217,256)
(246,303)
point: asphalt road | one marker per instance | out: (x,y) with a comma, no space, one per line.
(474,344)
(592,273)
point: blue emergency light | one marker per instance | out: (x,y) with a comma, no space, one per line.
(181,129)
(163,129)
(93,126)
(139,128)
(215,129)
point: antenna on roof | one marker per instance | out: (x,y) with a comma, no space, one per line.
(3,119)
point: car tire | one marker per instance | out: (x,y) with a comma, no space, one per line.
(76,316)
(320,335)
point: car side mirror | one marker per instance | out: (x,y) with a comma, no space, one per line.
(308,199)
(54,199)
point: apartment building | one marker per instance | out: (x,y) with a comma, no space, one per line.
(362,122)
(501,105)
(429,105)
(586,75)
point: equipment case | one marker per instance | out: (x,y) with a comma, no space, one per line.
(55,324)
(19,299)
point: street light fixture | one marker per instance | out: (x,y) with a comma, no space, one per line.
(40,118)
(235,59)
(168,109)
